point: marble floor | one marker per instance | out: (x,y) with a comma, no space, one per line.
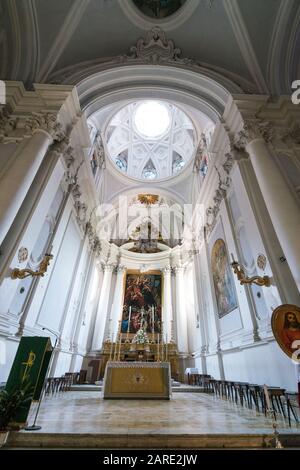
(186,413)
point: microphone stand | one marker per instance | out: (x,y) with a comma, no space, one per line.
(34,427)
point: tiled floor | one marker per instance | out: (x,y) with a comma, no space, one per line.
(186,413)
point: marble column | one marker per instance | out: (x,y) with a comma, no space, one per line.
(167,312)
(117,302)
(181,319)
(18,178)
(281,204)
(102,311)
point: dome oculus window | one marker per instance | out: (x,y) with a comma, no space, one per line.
(150,139)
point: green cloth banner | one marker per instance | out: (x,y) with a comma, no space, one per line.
(29,370)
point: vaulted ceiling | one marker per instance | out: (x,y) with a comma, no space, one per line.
(252,41)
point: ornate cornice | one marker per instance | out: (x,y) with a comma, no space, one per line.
(46,122)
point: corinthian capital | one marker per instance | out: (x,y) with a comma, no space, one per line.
(167,270)
(254,129)
(46,122)
(110,267)
(120,268)
(7,123)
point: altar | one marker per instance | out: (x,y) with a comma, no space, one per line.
(140,380)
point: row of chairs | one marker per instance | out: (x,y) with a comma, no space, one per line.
(253,396)
(250,395)
(56,385)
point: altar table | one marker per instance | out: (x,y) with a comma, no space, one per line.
(140,380)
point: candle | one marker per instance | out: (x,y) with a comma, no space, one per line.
(157,347)
(129,318)
(166,348)
(269,406)
(152,320)
(232,258)
(111,348)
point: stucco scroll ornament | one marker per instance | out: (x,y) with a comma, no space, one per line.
(22,254)
(47,122)
(155,48)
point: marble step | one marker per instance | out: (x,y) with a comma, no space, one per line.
(175,389)
(33,440)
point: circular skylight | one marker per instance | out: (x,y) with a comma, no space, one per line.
(151,119)
(150,139)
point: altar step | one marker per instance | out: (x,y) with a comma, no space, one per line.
(175,389)
(31,440)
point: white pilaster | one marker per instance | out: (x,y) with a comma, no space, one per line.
(102,311)
(117,302)
(182,335)
(167,304)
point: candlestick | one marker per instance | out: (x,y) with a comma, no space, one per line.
(120,343)
(111,349)
(157,347)
(118,339)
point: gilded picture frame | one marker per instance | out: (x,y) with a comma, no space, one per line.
(286,329)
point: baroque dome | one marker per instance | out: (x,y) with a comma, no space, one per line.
(150,139)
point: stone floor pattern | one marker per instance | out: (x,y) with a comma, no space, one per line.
(190,413)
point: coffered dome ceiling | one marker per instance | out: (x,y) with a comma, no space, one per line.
(150,139)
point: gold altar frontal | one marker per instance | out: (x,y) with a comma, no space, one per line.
(139,380)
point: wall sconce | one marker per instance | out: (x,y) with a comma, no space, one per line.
(23,273)
(239,270)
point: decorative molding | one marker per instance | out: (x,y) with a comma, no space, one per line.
(62,38)
(29,21)
(219,195)
(155,48)
(241,34)
(16,35)
(200,153)
(277,47)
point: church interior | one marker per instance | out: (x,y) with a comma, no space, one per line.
(150,222)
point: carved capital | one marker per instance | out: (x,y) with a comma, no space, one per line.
(120,268)
(178,269)
(254,129)
(167,271)
(7,122)
(46,122)
(108,267)
(291,136)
